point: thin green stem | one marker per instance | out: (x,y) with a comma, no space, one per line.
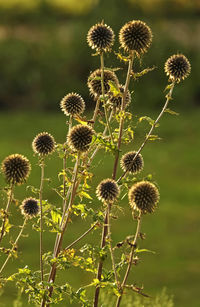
(41,218)
(121,124)
(110,246)
(130,259)
(168,98)
(14,245)
(10,196)
(103,95)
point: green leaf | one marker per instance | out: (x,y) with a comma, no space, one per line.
(56,217)
(85,194)
(147,118)
(121,57)
(137,75)
(114,89)
(153,137)
(144,250)
(171,112)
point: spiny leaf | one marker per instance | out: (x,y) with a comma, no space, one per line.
(137,75)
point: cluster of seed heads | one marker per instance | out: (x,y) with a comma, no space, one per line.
(131,164)
(16,169)
(72,104)
(43,144)
(177,67)
(29,207)
(80,137)
(94,81)
(108,190)
(144,196)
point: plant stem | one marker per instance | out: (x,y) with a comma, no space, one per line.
(121,125)
(14,245)
(96,111)
(10,196)
(103,95)
(168,98)
(81,237)
(130,259)
(52,274)
(41,218)
(110,246)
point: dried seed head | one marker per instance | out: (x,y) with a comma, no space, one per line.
(43,143)
(80,137)
(29,207)
(135,36)
(116,101)
(128,164)
(107,190)
(177,67)
(144,196)
(100,37)
(16,169)
(72,104)
(94,81)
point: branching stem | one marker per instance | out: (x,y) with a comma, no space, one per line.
(42,165)
(10,196)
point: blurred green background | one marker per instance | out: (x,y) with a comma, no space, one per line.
(43,56)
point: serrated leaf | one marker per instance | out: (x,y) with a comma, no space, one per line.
(143,72)
(114,89)
(85,194)
(56,217)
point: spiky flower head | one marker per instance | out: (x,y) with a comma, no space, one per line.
(80,137)
(94,81)
(16,169)
(29,207)
(43,144)
(100,37)
(107,191)
(144,196)
(135,36)
(177,67)
(129,164)
(72,104)
(116,101)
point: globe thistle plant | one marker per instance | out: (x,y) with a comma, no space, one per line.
(135,36)
(29,207)
(129,164)
(43,144)
(116,101)
(72,104)
(144,196)
(80,137)
(108,190)
(16,169)
(100,37)
(177,67)
(94,81)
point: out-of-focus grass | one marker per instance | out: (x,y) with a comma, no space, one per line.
(172,232)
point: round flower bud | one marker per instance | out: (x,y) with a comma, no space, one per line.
(135,36)
(144,196)
(29,207)
(107,190)
(72,104)
(128,164)
(177,67)
(94,81)
(100,37)
(43,143)
(16,169)
(116,101)
(80,137)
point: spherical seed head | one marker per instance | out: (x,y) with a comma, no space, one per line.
(135,36)
(100,37)
(16,169)
(116,101)
(107,191)
(144,196)
(129,164)
(43,144)
(80,137)
(29,207)
(94,81)
(72,104)
(177,67)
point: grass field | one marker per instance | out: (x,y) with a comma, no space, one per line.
(172,232)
